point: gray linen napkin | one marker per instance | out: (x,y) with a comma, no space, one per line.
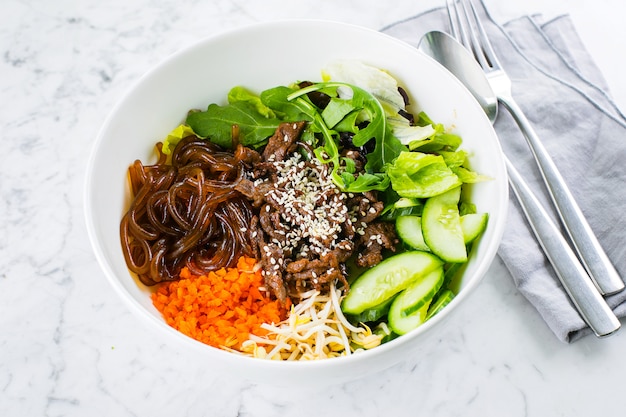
(564,96)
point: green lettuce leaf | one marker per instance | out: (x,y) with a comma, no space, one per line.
(175,136)
(468,176)
(421,175)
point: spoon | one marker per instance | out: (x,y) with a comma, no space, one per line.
(582,291)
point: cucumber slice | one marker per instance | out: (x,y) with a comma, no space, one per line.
(439,303)
(419,293)
(386,279)
(403,324)
(373,314)
(441,226)
(404,202)
(409,229)
(473,225)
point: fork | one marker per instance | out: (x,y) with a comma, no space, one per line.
(467,27)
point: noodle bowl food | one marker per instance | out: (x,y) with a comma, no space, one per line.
(336,207)
(321,196)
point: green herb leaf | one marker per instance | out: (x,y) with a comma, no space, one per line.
(217,121)
(242,94)
(336,110)
(385,152)
(289,110)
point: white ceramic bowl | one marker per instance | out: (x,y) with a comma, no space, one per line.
(259,57)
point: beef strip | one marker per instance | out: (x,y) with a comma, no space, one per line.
(377,237)
(248,156)
(273,227)
(303,274)
(254,192)
(283,142)
(272,259)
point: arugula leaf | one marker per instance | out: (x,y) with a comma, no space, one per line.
(217,121)
(367,182)
(360,100)
(277,99)
(242,94)
(385,152)
(349,123)
(358,104)
(336,111)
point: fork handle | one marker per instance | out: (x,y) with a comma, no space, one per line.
(593,257)
(586,298)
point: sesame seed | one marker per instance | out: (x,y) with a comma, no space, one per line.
(313,213)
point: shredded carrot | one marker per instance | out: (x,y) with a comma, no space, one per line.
(222,308)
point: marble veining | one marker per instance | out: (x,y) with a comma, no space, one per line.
(70,347)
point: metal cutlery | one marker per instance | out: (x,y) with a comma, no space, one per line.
(467,27)
(585,296)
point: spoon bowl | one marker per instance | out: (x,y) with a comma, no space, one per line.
(459,61)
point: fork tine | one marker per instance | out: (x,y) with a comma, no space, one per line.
(482,38)
(458,24)
(454,18)
(467,29)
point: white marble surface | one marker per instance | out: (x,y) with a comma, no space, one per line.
(70,347)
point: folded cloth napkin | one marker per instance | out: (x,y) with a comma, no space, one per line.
(564,96)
